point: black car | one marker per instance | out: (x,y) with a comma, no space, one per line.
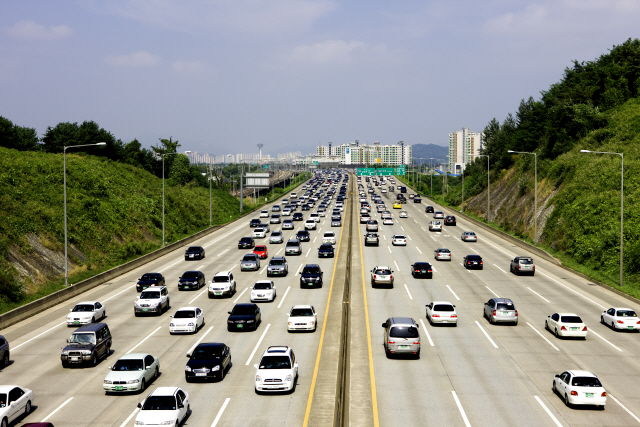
(244,317)
(194,252)
(417,199)
(254,223)
(209,360)
(325,251)
(298,216)
(305,207)
(472,261)
(311,275)
(450,220)
(422,269)
(87,344)
(191,280)
(428,209)
(303,236)
(149,279)
(246,243)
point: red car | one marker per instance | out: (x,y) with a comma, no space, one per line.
(261,251)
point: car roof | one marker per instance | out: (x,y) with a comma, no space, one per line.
(403,321)
(270,282)
(302,306)
(91,327)
(567,314)
(210,344)
(164,391)
(579,373)
(86,302)
(277,349)
(133,356)
(473,256)
(382,267)
(278,257)
(441,302)
(311,265)
(442,249)
(245,304)
(8,388)
(187,309)
(502,300)
(222,273)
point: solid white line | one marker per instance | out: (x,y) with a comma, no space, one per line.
(135,411)
(454,294)
(492,292)
(284,296)
(241,293)
(200,340)
(257,345)
(588,299)
(464,416)
(397,268)
(148,336)
(389,247)
(57,409)
(427,333)
(169,266)
(420,251)
(499,268)
(224,405)
(223,252)
(486,334)
(405,286)
(543,337)
(555,420)
(105,300)
(197,296)
(298,272)
(538,294)
(605,340)
(40,334)
(308,253)
(624,407)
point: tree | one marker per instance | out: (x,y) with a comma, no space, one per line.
(180,170)
(166,146)
(17,137)
(89,132)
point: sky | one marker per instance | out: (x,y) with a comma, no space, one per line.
(221,76)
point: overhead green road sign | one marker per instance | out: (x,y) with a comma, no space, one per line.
(365,171)
(315,162)
(265,166)
(400,170)
(384,171)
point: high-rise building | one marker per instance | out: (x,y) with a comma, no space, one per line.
(366,154)
(464,147)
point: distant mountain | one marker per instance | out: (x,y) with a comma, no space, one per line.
(426,151)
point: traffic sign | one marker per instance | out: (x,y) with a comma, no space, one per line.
(365,171)
(384,171)
(265,166)
(400,170)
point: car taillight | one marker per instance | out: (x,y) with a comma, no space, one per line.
(416,342)
(620,321)
(574,393)
(435,315)
(516,313)
(480,262)
(563,329)
(391,342)
(533,268)
(375,277)
(429,271)
(604,394)
(454,315)
(391,277)
(584,329)
(493,313)
(519,266)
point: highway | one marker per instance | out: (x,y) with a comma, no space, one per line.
(475,374)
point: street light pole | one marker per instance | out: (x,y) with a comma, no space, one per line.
(210,206)
(535,191)
(431,173)
(162,155)
(488,186)
(621,202)
(64,180)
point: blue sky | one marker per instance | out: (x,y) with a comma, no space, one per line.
(220,76)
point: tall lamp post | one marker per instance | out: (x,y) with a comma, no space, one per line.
(163,155)
(488,186)
(64,180)
(621,200)
(535,190)
(431,173)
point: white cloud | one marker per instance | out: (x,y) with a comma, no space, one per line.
(335,51)
(31,30)
(133,60)
(188,66)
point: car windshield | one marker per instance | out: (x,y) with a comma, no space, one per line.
(570,319)
(80,338)
(443,307)
(275,362)
(292,244)
(148,277)
(184,314)
(504,306)
(526,261)
(220,279)
(329,235)
(249,258)
(190,275)
(399,237)
(383,271)
(444,251)
(276,262)
(585,382)
(262,286)
(326,247)
(128,365)
(159,403)
(310,270)
(260,248)
(149,295)
(194,249)
(626,313)
(89,307)
(206,353)
(301,312)
(276,233)
(404,332)
(242,310)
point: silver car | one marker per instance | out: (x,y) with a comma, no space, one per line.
(401,336)
(500,310)
(438,215)
(469,236)
(278,266)
(276,237)
(275,219)
(442,254)
(293,247)
(250,262)
(287,224)
(522,265)
(381,275)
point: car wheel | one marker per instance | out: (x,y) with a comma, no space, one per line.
(94,359)
(557,335)
(4,423)
(553,387)
(93,320)
(546,325)
(27,408)
(566,400)
(143,385)
(613,325)
(5,359)
(156,374)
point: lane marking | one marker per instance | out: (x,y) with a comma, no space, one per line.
(543,337)
(57,409)
(314,239)
(624,407)
(553,417)
(397,268)
(605,340)
(39,335)
(135,411)
(476,252)
(454,294)
(499,268)
(464,416)
(420,251)
(223,252)
(265,267)
(198,269)
(427,333)
(257,345)
(423,228)
(389,247)
(112,296)
(576,292)
(402,228)
(242,293)
(486,334)
(492,292)
(279,251)
(412,239)
(405,286)
(538,294)
(385,237)
(308,253)
(198,295)
(169,266)
(433,238)
(298,272)
(284,296)
(224,406)
(140,343)
(200,340)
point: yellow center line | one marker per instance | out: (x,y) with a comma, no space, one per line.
(324,326)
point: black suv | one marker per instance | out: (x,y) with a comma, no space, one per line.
(450,220)
(149,279)
(422,269)
(254,223)
(246,242)
(311,275)
(194,252)
(244,317)
(428,209)
(86,345)
(191,280)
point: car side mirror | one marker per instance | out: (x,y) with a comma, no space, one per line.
(180,405)
(557,376)
(147,368)
(171,317)
(255,366)
(139,405)
(384,325)
(228,312)
(295,366)
(67,340)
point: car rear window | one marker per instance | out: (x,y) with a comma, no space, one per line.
(383,271)
(220,279)
(627,313)
(505,306)
(585,382)
(404,332)
(443,307)
(262,286)
(570,319)
(526,261)
(301,312)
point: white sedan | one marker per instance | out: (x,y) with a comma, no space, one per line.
(263,290)
(86,312)
(566,325)
(387,221)
(302,318)
(580,388)
(14,402)
(329,237)
(435,226)
(186,319)
(132,372)
(259,233)
(442,312)
(166,406)
(404,214)
(264,214)
(399,240)
(621,318)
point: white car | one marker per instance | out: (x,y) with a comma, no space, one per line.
(277,370)
(86,312)
(435,226)
(286,212)
(329,237)
(621,318)
(222,284)
(404,214)
(263,290)
(384,190)
(259,233)
(302,318)
(442,312)
(132,372)
(165,406)
(387,221)
(580,388)
(310,224)
(264,214)
(399,240)
(566,325)
(315,217)
(438,215)
(186,320)
(17,402)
